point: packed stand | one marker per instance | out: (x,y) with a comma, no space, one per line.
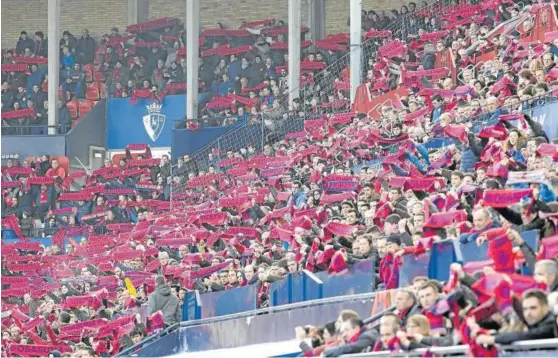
(123,257)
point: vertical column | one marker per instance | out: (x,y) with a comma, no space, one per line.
(316,19)
(294,49)
(192,54)
(133,8)
(356,33)
(53,63)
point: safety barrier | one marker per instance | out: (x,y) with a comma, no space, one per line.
(267,325)
(295,287)
(436,263)
(533,348)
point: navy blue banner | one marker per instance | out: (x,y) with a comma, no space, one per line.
(146,121)
(547,116)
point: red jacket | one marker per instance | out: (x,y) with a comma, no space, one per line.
(58,172)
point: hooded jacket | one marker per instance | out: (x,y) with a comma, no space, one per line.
(163,300)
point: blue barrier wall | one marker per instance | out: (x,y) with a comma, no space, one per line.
(34,145)
(299,287)
(227,302)
(358,279)
(412,267)
(547,116)
(134,123)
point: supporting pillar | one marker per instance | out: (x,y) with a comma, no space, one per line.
(294,50)
(192,54)
(356,33)
(53,64)
(133,7)
(316,19)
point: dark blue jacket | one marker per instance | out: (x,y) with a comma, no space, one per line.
(472,237)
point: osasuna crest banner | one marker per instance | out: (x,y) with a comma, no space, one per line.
(154,121)
(147,121)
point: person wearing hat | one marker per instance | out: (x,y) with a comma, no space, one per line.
(162,300)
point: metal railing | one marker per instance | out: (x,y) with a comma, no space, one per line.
(540,344)
(33,130)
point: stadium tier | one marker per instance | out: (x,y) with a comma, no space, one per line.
(419,218)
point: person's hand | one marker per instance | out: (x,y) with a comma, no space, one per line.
(485,339)
(399,253)
(403,338)
(458,269)
(514,237)
(481,239)
(300,333)
(401,225)
(418,337)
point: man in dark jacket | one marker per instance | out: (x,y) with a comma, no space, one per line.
(429,58)
(64,118)
(23,43)
(41,45)
(540,322)
(529,219)
(86,48)
(162,300)
(406,305)
(358,338)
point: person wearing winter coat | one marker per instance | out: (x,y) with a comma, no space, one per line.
(162,300)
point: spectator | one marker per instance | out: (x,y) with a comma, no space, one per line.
(64,118)
(162,300)
(41,45)
(23,43)
(86,48)
(67,58)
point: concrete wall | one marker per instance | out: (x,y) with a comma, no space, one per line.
(99,16)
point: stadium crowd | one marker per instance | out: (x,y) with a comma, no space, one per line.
(348,186)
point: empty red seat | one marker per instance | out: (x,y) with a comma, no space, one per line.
(98,76)
(85,107)
(89,70)
(88,75)
(92,93)
(73,108)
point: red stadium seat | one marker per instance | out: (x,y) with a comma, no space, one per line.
(88,75)
(98,76)
(85,107)
(92,93)
(73,108)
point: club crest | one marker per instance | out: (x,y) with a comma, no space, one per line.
(154,122)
